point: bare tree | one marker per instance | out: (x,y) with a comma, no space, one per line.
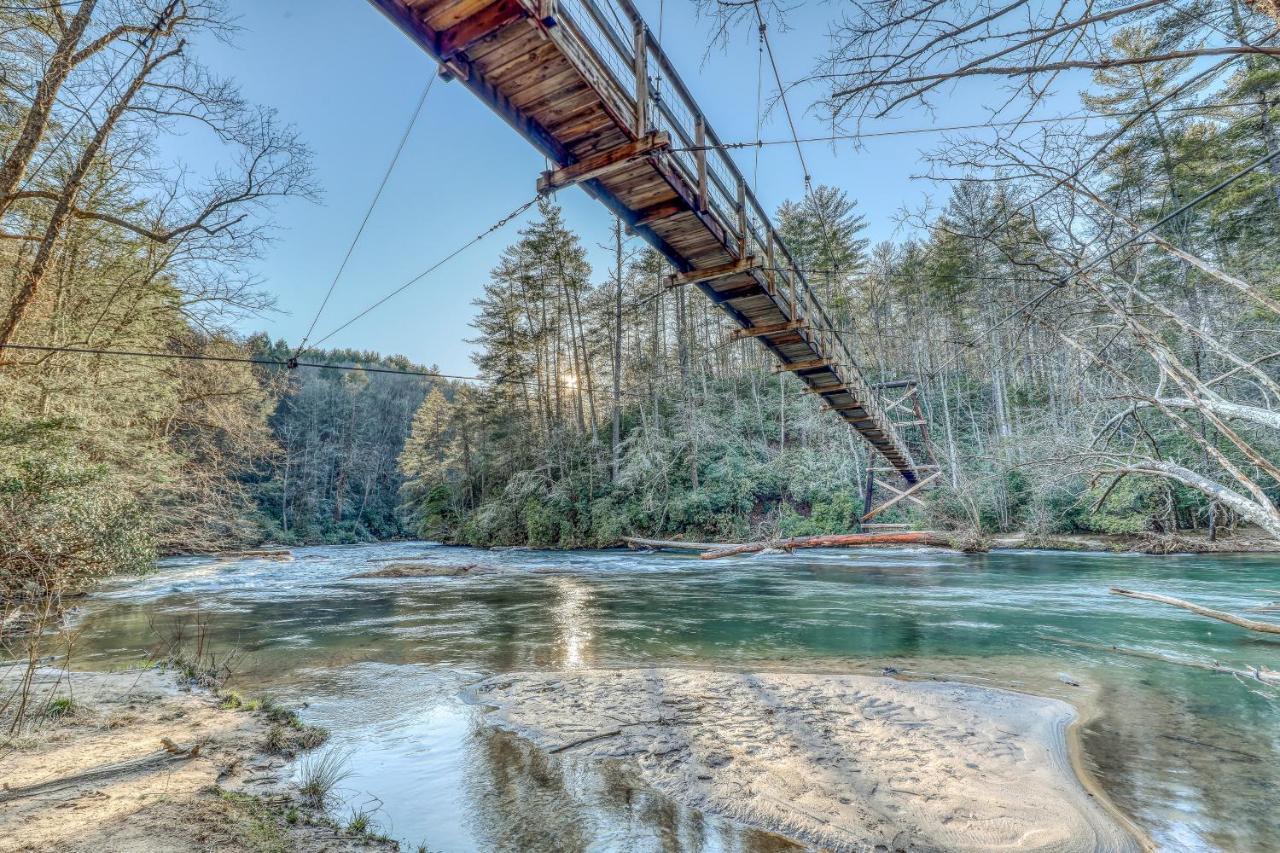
(99,170)
(887,54)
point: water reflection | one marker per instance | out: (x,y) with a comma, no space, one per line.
(1178,749)
(529,801)
(443,778)
(572,618)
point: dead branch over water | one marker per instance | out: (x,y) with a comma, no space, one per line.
(1221,615)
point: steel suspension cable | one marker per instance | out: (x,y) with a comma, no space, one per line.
(782,92)
(914,131)
(491,229)
(291,364)
(382,185)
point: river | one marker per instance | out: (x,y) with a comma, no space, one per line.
(1192,756)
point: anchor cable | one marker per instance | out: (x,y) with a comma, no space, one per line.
(386,175)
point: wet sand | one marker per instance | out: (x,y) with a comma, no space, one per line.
(842,762)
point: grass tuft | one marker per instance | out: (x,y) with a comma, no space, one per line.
(288,740)
(359,822)
(319,774)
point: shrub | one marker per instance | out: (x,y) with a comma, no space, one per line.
(62,524)
(1130,508)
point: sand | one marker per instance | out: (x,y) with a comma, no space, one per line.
(170,806)
(841,762)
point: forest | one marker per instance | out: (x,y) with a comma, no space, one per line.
(1090,313)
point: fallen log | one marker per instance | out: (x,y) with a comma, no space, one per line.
(1221,615)
(839,540)
(673,544)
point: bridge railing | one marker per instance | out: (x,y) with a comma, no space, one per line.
(617,36)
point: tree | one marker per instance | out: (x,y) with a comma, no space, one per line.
(821,231)
(886,55)
(107,248)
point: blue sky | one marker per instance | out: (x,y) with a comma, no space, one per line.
(348,79)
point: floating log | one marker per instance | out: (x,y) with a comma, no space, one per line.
(844,540)
(1221,615)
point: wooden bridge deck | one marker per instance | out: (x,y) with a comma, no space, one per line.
(587,85)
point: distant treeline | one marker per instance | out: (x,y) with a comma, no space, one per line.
(334,476)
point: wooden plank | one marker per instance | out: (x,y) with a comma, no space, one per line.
(399,13)
(658,212)
(770,329)
(593,70)
(445,15)
(641,75)
(811,364)
(503,66)
(505,46)
(492,18)
(709,274)
(534,90)
(599,165)
(900,492)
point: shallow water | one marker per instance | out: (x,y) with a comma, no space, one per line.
(1192,756)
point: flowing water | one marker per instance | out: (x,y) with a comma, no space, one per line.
(1192,756)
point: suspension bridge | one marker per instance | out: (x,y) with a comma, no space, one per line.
(587,84)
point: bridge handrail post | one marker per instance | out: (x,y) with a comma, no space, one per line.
(642,78)
(768,260)
(700,137)
(742,218)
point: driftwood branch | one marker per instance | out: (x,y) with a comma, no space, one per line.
(1266,676)
(169,754)
(1221,615)
(590,739)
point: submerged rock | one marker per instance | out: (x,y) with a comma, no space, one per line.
(425,570)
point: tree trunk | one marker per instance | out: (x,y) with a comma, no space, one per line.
(36,120)
(1220,615)
(34,277)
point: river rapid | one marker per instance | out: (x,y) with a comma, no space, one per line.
(1192,757)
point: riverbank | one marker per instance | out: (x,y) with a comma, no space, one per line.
(1243,541)
(837,761)
(135,761)
(1237,541)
